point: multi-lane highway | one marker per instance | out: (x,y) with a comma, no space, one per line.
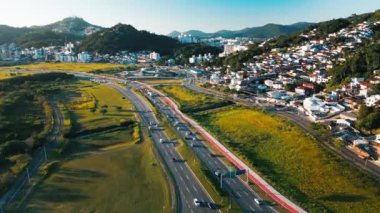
(235,187)
(188,186)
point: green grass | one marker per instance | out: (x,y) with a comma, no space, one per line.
(103,181)
(190,101)
(107,171)
(164,81)
(293,162)
(4,74)
(78,67)
(86,105)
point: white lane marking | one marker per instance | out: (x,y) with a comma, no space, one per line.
(195,189)
(246,193)
(181,178)
(181,168)
(238,194)
(253,209)
(187,189)
(187,177)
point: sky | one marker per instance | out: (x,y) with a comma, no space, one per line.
(164,16)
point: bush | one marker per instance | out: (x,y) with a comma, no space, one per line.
(13,148)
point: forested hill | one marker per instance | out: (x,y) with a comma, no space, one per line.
(126,37)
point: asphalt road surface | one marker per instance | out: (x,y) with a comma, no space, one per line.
(187,184)
(235,187)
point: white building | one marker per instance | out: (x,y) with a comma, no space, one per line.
(372,100)
(215,78)
(187,39)
(84,57)
(232,47)
(154,56)
(314,104)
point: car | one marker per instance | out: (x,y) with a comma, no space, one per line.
(197,202)
(211,206)
(259,202)
(162,140)
(174,160)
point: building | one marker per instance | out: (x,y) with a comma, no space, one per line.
(154,56)
(373,100)
(187,39)
(84,57)
(200,58)
(314,104)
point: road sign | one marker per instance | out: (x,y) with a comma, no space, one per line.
(229,174)
(241,172)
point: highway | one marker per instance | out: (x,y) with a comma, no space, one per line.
(235,187)
(187,184)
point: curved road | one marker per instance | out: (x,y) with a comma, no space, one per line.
(37,160)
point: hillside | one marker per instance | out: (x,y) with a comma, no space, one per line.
(266,31)
(367,54)
(126,37)
(71,28)
(71,25)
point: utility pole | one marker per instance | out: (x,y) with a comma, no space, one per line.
(45,153)
(27,174)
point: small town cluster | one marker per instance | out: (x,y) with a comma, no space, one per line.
(13,53)
(268,80)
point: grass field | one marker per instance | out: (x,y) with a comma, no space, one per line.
(92,106)
(164,81)
(109,170)
(4,74)
(79,67)
(292,161)
(190,101)
(118,180)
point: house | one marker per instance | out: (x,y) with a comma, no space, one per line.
(373,100)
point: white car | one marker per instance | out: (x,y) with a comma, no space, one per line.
(196,202)
(259,202)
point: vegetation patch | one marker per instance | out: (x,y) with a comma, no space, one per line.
(293,162)
(77,67)
(25,119)
(190,101)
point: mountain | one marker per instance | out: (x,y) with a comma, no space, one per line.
(125,37)
(71,25)
(266,31)
(72,29)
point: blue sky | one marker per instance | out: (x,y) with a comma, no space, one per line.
(163,16)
